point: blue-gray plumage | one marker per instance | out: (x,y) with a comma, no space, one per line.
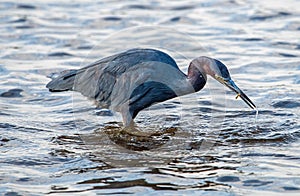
(135,79)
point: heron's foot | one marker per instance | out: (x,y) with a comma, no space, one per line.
(135,131)
(135,139)
(148,132)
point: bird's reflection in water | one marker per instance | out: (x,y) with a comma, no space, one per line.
(134,138)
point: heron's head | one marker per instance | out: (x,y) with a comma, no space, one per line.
(219,71)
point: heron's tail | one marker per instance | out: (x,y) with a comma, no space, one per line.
(62,81)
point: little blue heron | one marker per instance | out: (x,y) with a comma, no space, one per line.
(133,80)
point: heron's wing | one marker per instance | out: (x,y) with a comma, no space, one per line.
(95,83)
(98,80)
(111,79)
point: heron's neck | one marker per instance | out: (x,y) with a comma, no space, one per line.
(196,76)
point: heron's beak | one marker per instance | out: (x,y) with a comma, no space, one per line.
(230,84)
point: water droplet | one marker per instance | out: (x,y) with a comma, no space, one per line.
(256,116)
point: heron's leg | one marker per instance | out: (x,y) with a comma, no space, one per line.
(127,118)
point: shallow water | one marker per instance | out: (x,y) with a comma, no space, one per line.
(208,143)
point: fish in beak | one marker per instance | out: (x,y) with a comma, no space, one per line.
(231,85)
